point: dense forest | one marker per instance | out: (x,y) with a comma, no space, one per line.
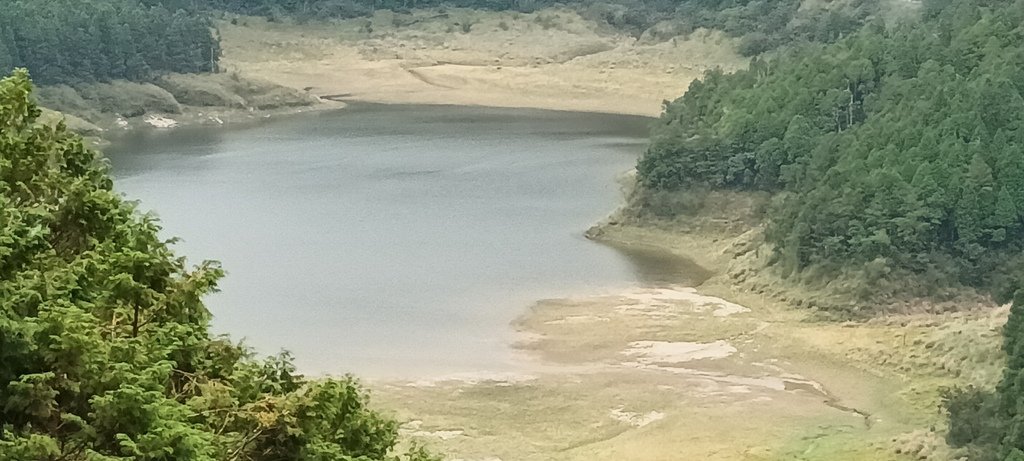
(896,149)
(105,342)
(79,41)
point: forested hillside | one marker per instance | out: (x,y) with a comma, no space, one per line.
(763,24)
(81,41)
(896,151)
(105,348)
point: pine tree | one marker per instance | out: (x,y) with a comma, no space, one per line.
(105,348)
(1006,218)
(1011,388)
(6,59)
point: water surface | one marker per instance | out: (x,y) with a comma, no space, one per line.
(393,240)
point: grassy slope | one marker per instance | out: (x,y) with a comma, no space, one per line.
(551,59)
(93,108)
(919,348)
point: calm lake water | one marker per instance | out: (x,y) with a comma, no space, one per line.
(393,241)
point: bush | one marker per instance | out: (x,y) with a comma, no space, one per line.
(201,90)
(973,421)
(63,98)
(546,21)
(670,204)
(261,94)
(130,99)
(73,123)
(754,44)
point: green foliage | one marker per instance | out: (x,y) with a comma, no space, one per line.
(990,426)
(755,43)
(76,41)
(901,145)
(972,420)
(105,349)
(128,99)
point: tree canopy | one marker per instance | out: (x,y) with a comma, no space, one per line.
(76,41)
(897,146)
(105,348)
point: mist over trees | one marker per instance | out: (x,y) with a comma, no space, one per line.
(105,348)
(81,41)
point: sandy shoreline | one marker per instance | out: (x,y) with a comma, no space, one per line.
(551,60)
(669,372)
(656,372)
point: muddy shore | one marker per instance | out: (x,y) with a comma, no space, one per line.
(668,372)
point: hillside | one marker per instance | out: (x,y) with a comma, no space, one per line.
(552,59)
(893,155)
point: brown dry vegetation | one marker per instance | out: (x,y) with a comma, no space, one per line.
(552,59)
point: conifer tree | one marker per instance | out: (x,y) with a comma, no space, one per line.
(105,348)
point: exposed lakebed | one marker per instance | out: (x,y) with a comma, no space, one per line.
(394,240)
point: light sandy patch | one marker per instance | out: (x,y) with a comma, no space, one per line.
(701,303)
(578,319)
(653,352)
(158,121)
(738,384)
(414,429)
(443,435)
(654,311)
(474,378)
(635,419)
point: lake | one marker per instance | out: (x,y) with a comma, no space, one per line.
(393,241)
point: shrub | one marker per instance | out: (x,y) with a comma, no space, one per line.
(130,99)
(201,90)
(755,43)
